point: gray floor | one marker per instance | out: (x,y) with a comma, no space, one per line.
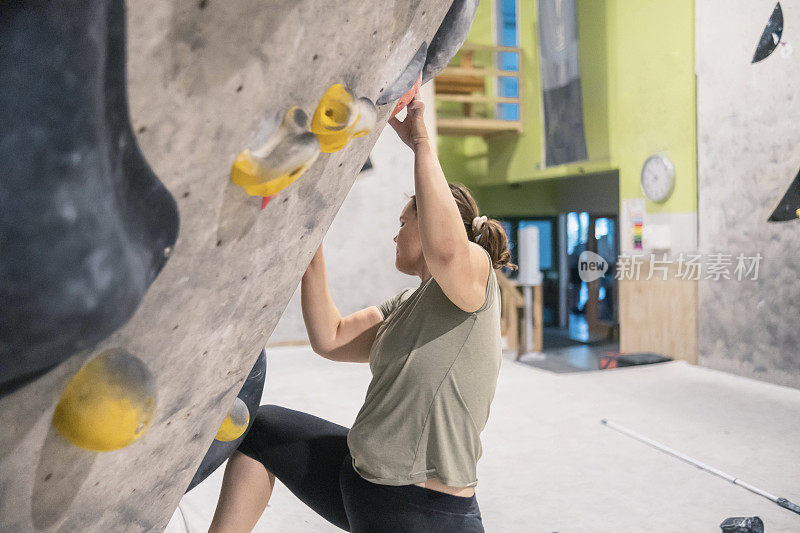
(576,358)
(549,465)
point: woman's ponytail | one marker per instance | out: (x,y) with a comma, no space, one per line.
(493,238)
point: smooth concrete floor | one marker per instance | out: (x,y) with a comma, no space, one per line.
(549,465)
(576,358)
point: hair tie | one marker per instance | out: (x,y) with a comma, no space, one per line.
(477,224)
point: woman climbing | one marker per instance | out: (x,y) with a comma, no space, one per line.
(408,463)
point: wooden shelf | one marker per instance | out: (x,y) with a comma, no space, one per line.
(483,127)
(468,84)
(490,48)
(480,98)
(477,72)
(455,85)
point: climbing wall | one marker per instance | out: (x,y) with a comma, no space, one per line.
(359,250)
(748,82)
(256,117)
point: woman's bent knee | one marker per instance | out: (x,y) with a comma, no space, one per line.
(264,425)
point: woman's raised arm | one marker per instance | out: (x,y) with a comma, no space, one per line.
(331,336)
(458,265)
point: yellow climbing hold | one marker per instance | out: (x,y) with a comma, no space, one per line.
(248,174)
(283,159)
(235,422)
(339,117)
(797,213)
(108,404)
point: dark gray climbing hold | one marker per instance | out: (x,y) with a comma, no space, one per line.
(742,524)
(406,80)
(771,36)
(367,165)
(250,394)
(85,225)
(789,206)
(449,37)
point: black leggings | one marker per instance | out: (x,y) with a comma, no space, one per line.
(310,456)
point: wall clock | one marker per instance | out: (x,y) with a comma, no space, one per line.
(658,178)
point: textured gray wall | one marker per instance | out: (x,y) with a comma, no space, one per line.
(207,79)
(749,152)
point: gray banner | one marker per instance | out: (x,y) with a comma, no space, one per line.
(565,140)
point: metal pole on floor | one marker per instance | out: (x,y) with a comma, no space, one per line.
(528,291)
(783,502)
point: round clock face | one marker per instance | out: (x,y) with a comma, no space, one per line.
(658,178)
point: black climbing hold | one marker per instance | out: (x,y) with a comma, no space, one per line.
(367,165)
(406,80)
(789,206)
(771,35)
(742,524)
(84,222)
(449,37)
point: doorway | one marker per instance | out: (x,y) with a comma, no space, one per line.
(591,307)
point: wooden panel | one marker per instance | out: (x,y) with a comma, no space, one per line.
(659,316)
(476,98)
(490,48)
(538,320)
(511,301)
(466,83)
(512,315)
(476,126)
(482,72)
(459,84)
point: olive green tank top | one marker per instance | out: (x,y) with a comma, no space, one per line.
(434,372)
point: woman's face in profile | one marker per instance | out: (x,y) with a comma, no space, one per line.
(409,246)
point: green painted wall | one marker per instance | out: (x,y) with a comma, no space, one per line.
(652,95)
(596,193)
(464,159)
(516,158)
(482,30)
(592,27)
(637,79)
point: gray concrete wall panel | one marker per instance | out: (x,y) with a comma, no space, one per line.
(748,154)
